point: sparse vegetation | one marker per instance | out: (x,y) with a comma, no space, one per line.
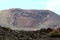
(54,33)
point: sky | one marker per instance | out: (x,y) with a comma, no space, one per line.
(53,5)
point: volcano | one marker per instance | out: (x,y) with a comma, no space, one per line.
(22,19)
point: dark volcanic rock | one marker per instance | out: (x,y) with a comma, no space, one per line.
(8,34)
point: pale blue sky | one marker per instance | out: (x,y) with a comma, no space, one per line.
(53,5)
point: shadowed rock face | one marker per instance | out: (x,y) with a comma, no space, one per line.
(28,19)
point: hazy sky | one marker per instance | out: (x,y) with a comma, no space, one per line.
(53,5)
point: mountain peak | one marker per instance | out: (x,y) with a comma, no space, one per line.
(22,19)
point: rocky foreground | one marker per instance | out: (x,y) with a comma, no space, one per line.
(43,34)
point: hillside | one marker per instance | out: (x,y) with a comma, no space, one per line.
(21,19)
